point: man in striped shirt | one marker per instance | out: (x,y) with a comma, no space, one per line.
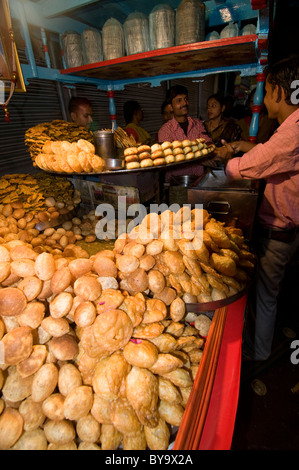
(181,126)
(277,227)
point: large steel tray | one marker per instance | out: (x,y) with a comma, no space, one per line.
(211,306)
(136,170)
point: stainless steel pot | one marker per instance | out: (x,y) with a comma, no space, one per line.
(183,180)
(104,144)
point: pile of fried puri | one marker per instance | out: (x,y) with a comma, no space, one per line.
(56,130)
(145,156)
(66,157)
(98,352)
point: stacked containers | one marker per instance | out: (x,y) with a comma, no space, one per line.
(190,22)
(91,46)
(162,26)
(136,33)
(72,49)
(113,39)
(229,31)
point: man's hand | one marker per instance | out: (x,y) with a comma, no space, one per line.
(240,146)
(225,152)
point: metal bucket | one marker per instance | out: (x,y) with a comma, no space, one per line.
(104,144)
(183,180)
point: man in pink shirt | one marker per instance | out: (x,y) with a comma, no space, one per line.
(182,127)
(277,225)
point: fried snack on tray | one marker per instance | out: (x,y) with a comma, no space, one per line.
(143,156)
(58,130)
(32,191)
(211,261)
(103,366)
(62,157)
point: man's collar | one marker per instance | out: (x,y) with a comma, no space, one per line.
(177,123)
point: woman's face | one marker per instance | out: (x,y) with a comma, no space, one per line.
(139,114)
(214,108)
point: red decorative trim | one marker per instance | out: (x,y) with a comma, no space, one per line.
(110,94)
(262,44)
(45,47)
(6,113)
(252,138)
(258,4)
(261,77)
(113,117)
(263,61)
(256,108)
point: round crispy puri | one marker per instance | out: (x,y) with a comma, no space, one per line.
(97,162)
(74,163)
(63,164)
(86,146)
(84,162)
(113,329)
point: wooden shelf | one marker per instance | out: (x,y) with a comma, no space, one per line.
(206,55)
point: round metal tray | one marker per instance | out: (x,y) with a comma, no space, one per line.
(210,306)
(135,170)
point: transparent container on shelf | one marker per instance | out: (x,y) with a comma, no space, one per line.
(190,22)
(136,33)
(230,31)
(248,30)
(91,46)
(72,49)
(113,39)
(162,26)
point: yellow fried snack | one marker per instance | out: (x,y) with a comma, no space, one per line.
(136,442)
(134,306)
(157,437)
(110,437)
(172,413)
(142,393)
(74,162)
(112,330)
(165,342)
(174,261)
(84,162)
(124,417)
(148,331)
(109,376)
(85,146)
(155,311)
(218,233)
(168,391)
(140,353)
(165,363)
(224,264)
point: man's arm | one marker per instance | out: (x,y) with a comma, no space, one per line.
(277,156)
(229,149)
(241,146)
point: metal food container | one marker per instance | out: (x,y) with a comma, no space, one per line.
(229,201)
(106,149)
